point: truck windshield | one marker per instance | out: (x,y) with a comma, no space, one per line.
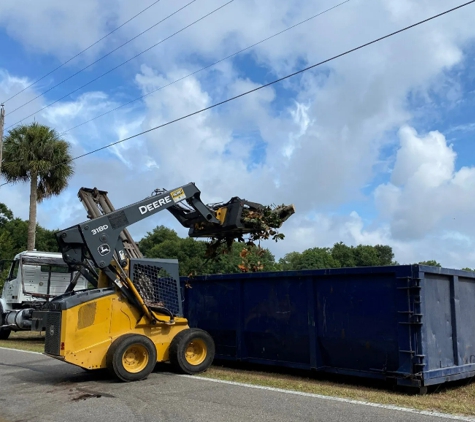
(55,269)
(13,270)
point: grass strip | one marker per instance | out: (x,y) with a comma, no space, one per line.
(456,398)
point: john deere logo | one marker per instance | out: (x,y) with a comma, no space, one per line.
(51,330)
(104,249)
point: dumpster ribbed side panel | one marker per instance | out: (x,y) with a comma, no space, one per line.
(466,320)
(215,305)
(357,322)
(275,320)
(448,337)
(438,325)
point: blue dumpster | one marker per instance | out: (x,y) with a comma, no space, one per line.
(411,323)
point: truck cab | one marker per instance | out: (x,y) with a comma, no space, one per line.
(33,279)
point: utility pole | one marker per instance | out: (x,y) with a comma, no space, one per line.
(2,119)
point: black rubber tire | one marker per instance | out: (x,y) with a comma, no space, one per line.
(116,352)
(179,346)
(5,333)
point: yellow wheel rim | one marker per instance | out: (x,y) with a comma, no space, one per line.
(135,358)
(196,352)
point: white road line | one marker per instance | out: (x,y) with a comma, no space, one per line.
(19,350)
(317,396)
(339,399)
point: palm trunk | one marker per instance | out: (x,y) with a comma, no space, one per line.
(32,218)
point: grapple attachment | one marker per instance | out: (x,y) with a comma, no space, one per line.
(239,217)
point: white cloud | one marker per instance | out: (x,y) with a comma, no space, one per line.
(426,194)
(9,86)
(56,27)
(425,162)
(201,148)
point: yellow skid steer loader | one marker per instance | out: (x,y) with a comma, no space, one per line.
(132,318)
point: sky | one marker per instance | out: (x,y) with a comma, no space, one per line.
(375,147)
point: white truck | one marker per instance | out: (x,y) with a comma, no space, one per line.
(33,279)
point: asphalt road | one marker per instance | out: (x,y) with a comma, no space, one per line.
(40,389)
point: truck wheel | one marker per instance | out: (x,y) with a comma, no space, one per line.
(192,351)
(131,357)
(4,333)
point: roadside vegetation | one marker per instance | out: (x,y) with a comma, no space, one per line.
(25,340)
(454,398)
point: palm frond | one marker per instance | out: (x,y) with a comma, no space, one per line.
(37,149)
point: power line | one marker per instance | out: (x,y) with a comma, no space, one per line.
(2,117)
(206,67)
(82,51)
(269,83)
(102,57)
(123,63)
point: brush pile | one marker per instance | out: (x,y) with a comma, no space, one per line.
(257,223)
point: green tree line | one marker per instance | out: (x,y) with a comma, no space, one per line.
(14,235)
(163,242)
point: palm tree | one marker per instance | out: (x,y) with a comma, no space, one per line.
(35,153)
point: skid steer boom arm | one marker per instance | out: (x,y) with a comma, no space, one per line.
(99,239)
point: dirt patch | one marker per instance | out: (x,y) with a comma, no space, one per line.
(86,396)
